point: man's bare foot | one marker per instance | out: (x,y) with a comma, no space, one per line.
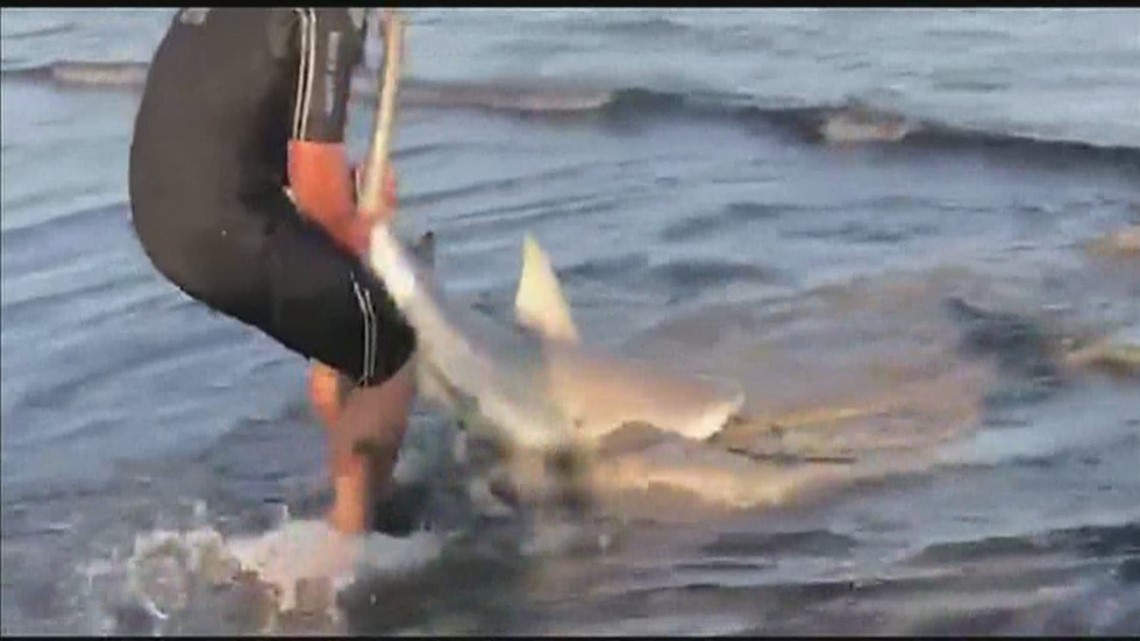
(393,509)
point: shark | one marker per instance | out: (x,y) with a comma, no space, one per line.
(533,385)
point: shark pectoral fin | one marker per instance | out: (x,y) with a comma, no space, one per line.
(539,303)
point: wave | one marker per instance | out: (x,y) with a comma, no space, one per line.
(50,30)
(83,74)
(1114,541)
(848,123)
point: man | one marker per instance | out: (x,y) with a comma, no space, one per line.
(239,105)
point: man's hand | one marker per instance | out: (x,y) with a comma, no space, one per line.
(389,194)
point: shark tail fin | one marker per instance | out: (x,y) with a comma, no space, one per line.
(539,303)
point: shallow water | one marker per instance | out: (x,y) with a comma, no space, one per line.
(703,184)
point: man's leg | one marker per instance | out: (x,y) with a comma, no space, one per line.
(365,491)
(364,443)
(327,307)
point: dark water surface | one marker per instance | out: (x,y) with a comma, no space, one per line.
(704,183)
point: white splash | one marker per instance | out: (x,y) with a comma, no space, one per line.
(311,550)
(300,566)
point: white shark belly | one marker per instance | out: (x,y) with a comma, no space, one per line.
(601,393)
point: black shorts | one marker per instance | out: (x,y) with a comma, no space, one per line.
(292,282)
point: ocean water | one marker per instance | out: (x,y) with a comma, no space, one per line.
(882,222)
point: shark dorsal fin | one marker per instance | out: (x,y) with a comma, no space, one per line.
(539,303)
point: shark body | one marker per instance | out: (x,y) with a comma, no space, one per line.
(534,385)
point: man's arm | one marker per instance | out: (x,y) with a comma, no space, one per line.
(329,45)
